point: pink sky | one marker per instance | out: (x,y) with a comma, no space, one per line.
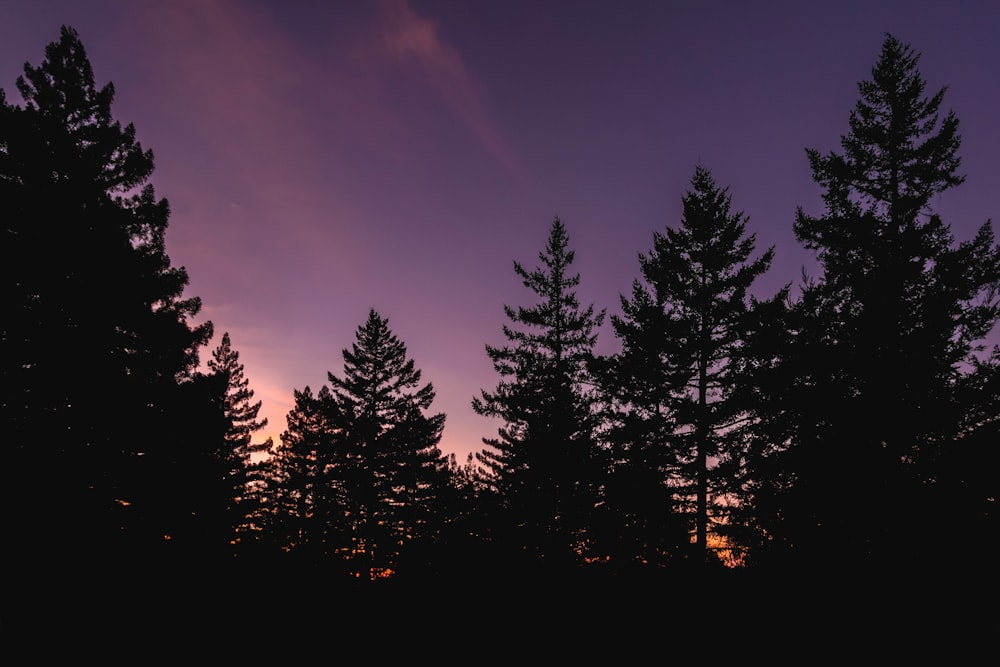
(322,159)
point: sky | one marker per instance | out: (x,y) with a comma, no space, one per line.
(323,158)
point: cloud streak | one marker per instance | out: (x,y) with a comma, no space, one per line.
(414,41)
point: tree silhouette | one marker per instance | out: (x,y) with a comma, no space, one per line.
(239,414)
(358,472)
(542,464)
(964,471)
(685,321)
(300,512)
(98,407)
(880,338)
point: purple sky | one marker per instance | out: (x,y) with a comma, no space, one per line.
(324,158)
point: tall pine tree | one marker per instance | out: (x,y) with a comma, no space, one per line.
(359,473)
(682,327)
(542,464)
(881,338)
(99,409)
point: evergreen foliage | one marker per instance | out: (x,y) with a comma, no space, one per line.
(237,402)
(299,509)
(865,391)
(854,425)
(101,418)
(239,415)
(358,473)
(685,322)
(542,465)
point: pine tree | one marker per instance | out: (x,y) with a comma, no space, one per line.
(239,414)
(684,324)
(239,410)
(359,468)
(380,406)
(301,509)
(98,349)
(882,334)
(542,464)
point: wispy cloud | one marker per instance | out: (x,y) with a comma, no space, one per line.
(414,40)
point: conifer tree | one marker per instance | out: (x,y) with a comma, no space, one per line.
(541,465)
(869,376)
(301,509)
(237,402)
(680,331)
(98,404)
(359,471)
(239,414)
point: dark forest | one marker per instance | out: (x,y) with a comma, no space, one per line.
(840,430)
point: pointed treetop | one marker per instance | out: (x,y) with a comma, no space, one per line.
(708,250)
(238,406)
(899,152)
(62,90)
(377,373)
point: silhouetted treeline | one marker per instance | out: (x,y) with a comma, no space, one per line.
(847,425)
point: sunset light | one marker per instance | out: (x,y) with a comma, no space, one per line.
(497,306)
